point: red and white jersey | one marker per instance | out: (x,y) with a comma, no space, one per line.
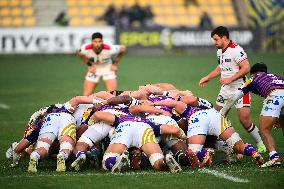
(105,56)
(229,60)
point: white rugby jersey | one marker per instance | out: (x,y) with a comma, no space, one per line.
(229,60)
(105,56)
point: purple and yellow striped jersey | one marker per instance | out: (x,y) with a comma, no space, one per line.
(263,84)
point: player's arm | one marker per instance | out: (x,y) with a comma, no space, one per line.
(203,81)
(120,54)
(247,86)
(147,109)
(84,58)
(244,69)
(72,104)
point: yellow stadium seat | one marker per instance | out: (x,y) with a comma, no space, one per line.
(85,11)
(130,3)
(14,3)
(28,11)
(16,11)
(18,21)
(3,3)
(166,2)
(29,21)
(194,20)
(184,20)
(159,20)
(231,20)
(157,10)
(192,10)
(218,20)
(88,21)
(228,10)
(83,2)
(6,21)
(119,3)
(180,9)
(5,11)
(171,21)
(75,21)
(168,10)
(179,2)
(97,11)
(26,3)
(216,10)
(106,3)
(74,11)
(153,2)
(71,3)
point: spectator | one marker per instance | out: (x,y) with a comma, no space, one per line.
(62,19)
(186,3)
(137,15)
(148,20)
(110,16)
(205,21)
(124,17)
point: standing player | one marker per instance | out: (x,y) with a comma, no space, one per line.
(271,87)
(98,56)
(233,66)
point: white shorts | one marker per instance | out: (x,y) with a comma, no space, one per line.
(273,105)
(162,119)
(97,131)
(227,91)
(101,71)
(60,124)
(133,134)
(207,122)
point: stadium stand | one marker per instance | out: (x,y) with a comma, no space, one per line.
(16,13)
(172,13)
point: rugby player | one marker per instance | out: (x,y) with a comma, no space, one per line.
(98,56)
(271,87)
(233,67)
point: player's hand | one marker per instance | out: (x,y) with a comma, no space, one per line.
(113,68)
(92,69)
(225,81)
(203,81)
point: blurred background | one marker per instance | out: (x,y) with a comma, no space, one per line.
(61,26)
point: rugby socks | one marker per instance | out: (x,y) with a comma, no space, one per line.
(254,133)
(81,154)
(273,155)
(64,154)
(35,155)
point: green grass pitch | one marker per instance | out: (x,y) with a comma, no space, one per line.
(28,82)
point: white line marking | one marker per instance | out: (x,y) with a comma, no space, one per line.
(93,174)
(223,175)
(4,106)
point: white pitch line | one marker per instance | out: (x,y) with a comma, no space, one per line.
(91,174)
(223,175)
(4,106)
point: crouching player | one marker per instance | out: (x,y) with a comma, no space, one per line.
(133,131)
(271,87)
(61,125)
(203,122)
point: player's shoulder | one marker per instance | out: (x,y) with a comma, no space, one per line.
(107,47)
(87,46)
(235,47)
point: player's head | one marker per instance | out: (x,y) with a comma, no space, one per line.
(220,36)
(97,41)
(258,67)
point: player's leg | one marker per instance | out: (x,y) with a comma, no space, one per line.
(41,150)
(89,87)
(243,110)
(116,158)
(234,141)
(266,124)
(92,135)
(110,84)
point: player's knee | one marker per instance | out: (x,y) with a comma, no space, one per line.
(195,147)
(84,142)
(156,161)
(109,160)
(233,139)
(66,147)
